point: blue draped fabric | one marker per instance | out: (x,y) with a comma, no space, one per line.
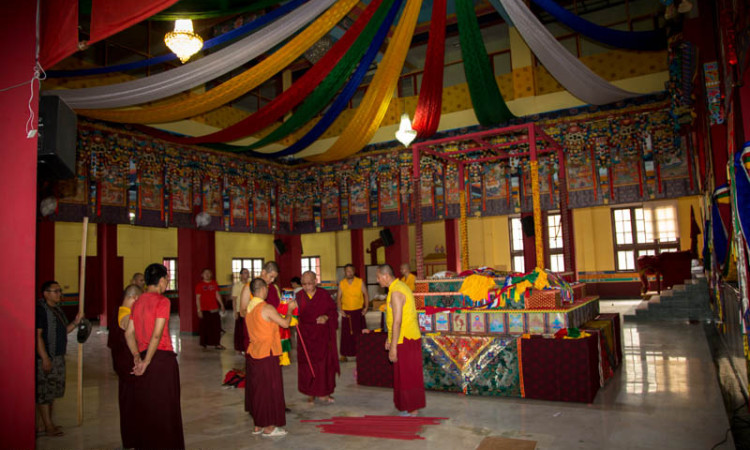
(742,191)
(633,40)
(719,232)
(247,28)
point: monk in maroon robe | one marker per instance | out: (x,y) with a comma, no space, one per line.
(317,355)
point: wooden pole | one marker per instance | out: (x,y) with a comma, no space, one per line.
(81,300)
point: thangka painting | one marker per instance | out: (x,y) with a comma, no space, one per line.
(425,193)
(330,204)
(358,199)
(213,204)
(388,195)
(303,211)
(112,193)
(239,203)
(285,210)
(625,173)
(151,195)
(72,191)
(580,177)
(495,185)
(673,161)
(180,193)
(452,185)
(261,208)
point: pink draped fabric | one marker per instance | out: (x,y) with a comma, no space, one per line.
(110,17)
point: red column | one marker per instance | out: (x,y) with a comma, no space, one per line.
(398,253)
(743,94)
(358,253)
(290,262)
(529,245)
(111,284)
(452,245)
(45,252)
(18,239)
(196,251)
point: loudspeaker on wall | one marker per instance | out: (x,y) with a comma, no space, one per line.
(387,237)
(56,144)
(279,245)
(527,224)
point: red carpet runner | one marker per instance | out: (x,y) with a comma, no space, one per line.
(389,427)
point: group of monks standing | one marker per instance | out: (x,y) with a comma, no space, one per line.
(147,366)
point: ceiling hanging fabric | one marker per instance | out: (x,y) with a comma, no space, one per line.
(237,86)
(342,100)
(568,70)
(633,40)
(371,111)
(188,76)
(489,105)
(299,90)
(174,13)
(430,103)
(109,17)
(58,31)
(236,33)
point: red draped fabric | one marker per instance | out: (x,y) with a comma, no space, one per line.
(279,106)
(110,17)
(427,115)
(59,31)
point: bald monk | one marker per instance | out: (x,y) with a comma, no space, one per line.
(316,333)
(407,277)
(122,360)
(404,343)
(265,384)
(157,387)
(352,301)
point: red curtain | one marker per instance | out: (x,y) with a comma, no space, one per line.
(59,31)
(427,115)
(109,17)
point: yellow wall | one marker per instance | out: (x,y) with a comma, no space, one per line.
(325,246)
(489,242)
(240,245)
(67,251)
(683,221)
(141,246)
(369,235)
(592,234)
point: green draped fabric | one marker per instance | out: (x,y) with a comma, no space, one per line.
(324,93)
(489,105)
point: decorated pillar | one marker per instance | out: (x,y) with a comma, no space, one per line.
(463,221)
(417,205)
(290,262)
(452,245)
(196,251)
(358,253)
(398,253)
(18,187)
(536,204)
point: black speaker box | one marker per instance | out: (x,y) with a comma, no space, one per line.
(56,144)
(280,247)
(387,237)
(527,223)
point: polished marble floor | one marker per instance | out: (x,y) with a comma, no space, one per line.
(665,396)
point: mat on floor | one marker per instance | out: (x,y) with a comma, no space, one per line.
(388,427)
(501,443)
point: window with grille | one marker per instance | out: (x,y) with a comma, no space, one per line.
(640,231)
(555,243)
(516,245)
(311,263)
(254,265)
(171,265)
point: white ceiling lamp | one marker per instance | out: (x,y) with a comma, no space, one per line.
(183,41)
(405,134)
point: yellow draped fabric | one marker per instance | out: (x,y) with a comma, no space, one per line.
(237,86)
(476,287)
(371,111)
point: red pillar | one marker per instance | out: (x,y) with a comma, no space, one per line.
(452,245)
(398,253)
(18,239)
(111,276)
(45,252)
(529,246)
(290,262)
(196,250)
(743,95)
(358,253)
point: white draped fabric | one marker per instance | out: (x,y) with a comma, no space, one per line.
(568,70)
(194,74)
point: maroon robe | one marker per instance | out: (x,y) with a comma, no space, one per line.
(122,361)
(352,324)
(210,329)
(264,392)
(240,335)
(408,378)
(320,342)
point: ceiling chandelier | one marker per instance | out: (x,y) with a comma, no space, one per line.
(183,41)
(405,134)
